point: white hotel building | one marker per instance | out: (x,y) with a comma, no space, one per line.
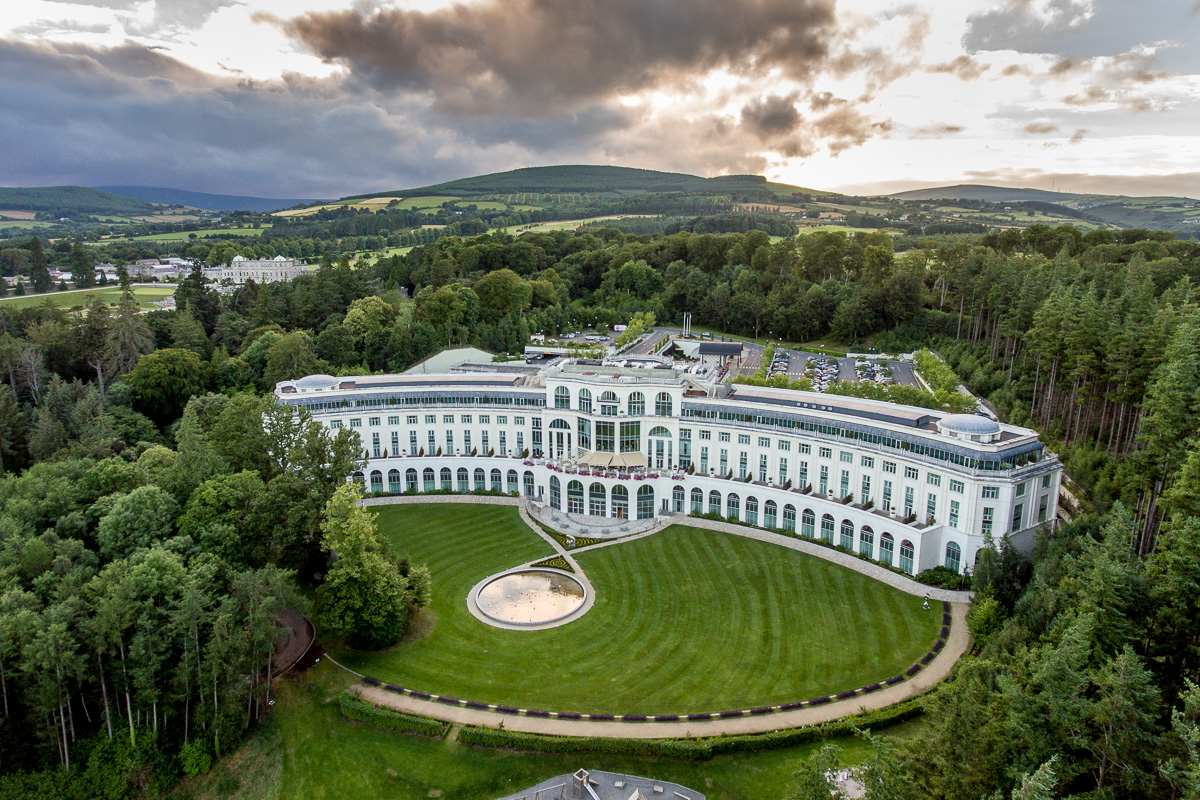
(908,486)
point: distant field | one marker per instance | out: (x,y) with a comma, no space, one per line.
(146,295)
(12,214)
(841,228)
(180,236)
(26,224)
(482,205)
(566,224)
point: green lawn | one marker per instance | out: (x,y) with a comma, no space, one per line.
(687,620)
(309,752)
(183,236)
(146,295)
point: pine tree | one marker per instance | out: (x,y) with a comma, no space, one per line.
(39,271)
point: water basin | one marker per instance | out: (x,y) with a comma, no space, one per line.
(530,597)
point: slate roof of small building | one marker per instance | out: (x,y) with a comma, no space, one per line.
(720,348)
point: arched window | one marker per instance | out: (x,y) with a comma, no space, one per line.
(559,425)
(429,479)
(376,481)
(608,404)
(847,537)
(464,479)
(698,501)
(620,502)
(645,502)
(770,517)
(906,556)
(528,480)
(885,548)
(637,404)
(497,481)
(512,482)
(677,498)
(866,541)
(953,556)
(827,528)
(394,481)
(447,478)
(597,500)
(751,510)
(733,506)
(714,502)
(808,523)
(662,405)
(555,494)
(562,397)
(574,497)
(789,517)
(410,480)
(480,479)
(585,401)
(360,479)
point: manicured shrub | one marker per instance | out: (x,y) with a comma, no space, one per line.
(354,709)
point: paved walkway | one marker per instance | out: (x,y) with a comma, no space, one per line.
(956,645)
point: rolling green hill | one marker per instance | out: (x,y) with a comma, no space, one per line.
(68,200)
(991,194)
(587,179)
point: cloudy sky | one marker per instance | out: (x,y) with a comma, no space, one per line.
(322,98)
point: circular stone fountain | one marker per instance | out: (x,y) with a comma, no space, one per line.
(530,597)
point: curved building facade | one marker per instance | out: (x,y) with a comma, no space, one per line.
(907,486)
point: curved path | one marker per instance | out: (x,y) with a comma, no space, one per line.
(956,644)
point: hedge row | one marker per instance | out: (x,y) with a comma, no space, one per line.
(692,749)
(361,711)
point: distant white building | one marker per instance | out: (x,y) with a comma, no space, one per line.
(242,269)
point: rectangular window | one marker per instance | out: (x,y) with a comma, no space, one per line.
(826,452)
(783,471)
(742,464)
(704,459)
(503,444)
(764,441)
(953,513)
(889,466)
(705,435)
(986,527)
(805,449)
(447,419)
(1046,481)
(373,422)
(520,441)
(412,443)
(824,479)
(431,419)
(956,486)
(466,419)
(355,422)
(933,479)
(449,442)
(394,420)
(685,434)
(376,451)
(887,496)
(867,462)
(484,437)
(803,477)
(1018,510)
(724,461)
(502,419)
(991,492)
(606,437)
(1021,489)
(743,438)
(931,508)
(723,436)
(785,446)
(1042,507)
(908,501)
(583,430)
(846,456)
(518,420)
(762,468)
(395,443)
(484,419)
(631,437)
(845,485)
(866,489)
(466,441)
(412,419)
(910,473)
(432,442)
(335,424)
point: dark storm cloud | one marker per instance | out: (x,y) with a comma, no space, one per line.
(848,127)
(771,116)
(540,57)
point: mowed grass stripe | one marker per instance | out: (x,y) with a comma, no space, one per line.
(686,620)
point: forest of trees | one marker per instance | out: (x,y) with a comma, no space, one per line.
(148,477)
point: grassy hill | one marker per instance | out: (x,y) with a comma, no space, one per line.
(587,180)
(210,202)
(68,200)
(991,194)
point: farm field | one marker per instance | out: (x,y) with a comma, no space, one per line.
(669,610)
(146,295)
(183,236)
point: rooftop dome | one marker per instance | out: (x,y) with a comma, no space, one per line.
(969,425)
(316,382)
